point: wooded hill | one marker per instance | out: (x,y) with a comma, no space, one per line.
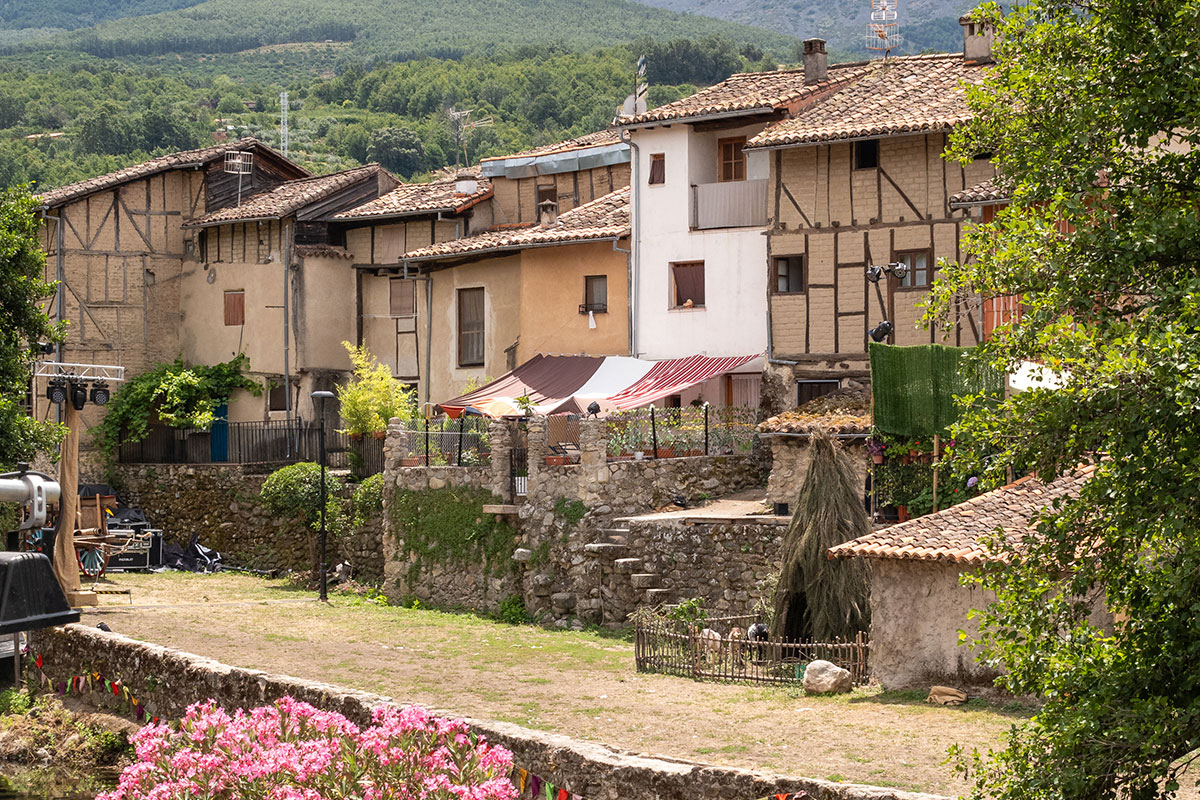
(390,29)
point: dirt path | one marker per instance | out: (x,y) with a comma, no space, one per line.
(579,684)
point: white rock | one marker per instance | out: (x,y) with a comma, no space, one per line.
(824,677)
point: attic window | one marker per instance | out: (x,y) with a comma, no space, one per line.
(658,168)
(866,154)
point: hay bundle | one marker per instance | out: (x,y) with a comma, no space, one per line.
(819,599)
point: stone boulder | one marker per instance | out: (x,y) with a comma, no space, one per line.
(824,677)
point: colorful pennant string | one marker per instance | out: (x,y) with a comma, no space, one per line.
(94,681)
(536,788)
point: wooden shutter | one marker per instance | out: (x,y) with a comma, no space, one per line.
(470,327)
(235,308)
(658,168)
(402,297)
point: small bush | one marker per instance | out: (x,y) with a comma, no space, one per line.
(512,610)
(294,492)
(367,500)
(14,701)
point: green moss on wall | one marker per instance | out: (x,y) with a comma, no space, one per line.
(448,527)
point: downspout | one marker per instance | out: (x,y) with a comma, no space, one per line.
(60,272)
(428,374)
(287,372)
(635,245)
(628,281)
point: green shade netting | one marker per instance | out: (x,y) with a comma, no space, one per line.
(914,388)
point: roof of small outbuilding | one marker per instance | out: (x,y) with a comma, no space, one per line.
(287,198)
(957,534)
(420,198)
(843,411)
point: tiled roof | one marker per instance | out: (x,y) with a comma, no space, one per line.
(605,217)
(752,92)
(322,251)
(957,534)
(910,94)
(181,160)
(598,139)
(981,194)
(418,198)
(287,198)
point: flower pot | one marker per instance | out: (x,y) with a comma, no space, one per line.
(556,461)
(379,434)
(877,458)
(355,437)
(902,513)
(666,452)
(411,461)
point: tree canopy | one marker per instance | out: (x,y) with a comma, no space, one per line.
(23,324)
(1090,114)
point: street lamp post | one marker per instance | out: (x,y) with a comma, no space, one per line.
(321,397)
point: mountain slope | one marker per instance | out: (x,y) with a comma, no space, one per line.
(401,28)
(68,15)
(925,24)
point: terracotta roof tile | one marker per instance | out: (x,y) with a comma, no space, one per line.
(981,194)
(598,139)
(180,160)
(605,217)
(753,92)
(287,198)
(910,94)
(957,534)
(419,198)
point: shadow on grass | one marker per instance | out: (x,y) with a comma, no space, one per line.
(1009,707)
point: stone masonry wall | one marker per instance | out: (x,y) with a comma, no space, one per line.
(167,681)
(789,465)
(219,503)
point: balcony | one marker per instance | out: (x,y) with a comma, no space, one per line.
(731,204)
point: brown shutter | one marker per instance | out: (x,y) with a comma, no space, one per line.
(235,308)
(658,168)
(402,297)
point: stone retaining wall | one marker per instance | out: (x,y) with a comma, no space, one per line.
(219,503)
(169,680)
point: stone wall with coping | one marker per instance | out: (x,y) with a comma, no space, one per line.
(219,504)
(789,465)
(168,680)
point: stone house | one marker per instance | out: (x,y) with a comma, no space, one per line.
(117,247)
(918,604)
(500,297)
(270,279)
(858,180)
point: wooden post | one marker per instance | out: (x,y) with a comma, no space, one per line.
(937,454)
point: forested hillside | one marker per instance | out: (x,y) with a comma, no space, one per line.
(925,24)
(30,19)
(400,29)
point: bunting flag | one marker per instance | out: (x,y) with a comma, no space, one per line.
(535,787)
(93,681)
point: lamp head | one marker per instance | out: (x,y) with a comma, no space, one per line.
(322,395)
(79,395)
(56,392)
(899,269)
(100,394)
(594,408)
(874,273)
(881,331)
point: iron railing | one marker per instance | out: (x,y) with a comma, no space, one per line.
(462,442)
(675,432)
(518,466)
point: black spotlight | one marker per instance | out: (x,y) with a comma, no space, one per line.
(899,269)
(56,392)
(881,331)
(44,348)
(79,395)
(100,393)
(594,408)
(874,273)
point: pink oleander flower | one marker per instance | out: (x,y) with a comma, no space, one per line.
(293,751)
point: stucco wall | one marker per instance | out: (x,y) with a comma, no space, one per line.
(733,321)
(917,610)
(167,681)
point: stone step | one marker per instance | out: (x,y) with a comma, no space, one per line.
(614,536)
(656,596)
(645,580)
(605,550)
(627,565)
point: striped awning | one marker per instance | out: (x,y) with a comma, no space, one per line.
(673,376)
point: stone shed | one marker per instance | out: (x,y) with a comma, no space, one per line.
(917,603)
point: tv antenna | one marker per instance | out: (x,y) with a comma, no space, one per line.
(239,162)
(883,31)
(283,122)
(463,125)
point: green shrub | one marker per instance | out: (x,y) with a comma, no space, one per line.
(367,500)
(512,610)
(294,492)
(372,396)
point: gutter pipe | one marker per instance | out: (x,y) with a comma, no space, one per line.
(635,245)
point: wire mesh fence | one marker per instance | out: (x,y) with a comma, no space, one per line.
(462,442)
(675,432)
(268,442)
(719,650)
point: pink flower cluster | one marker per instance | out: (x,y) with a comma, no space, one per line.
(293,751)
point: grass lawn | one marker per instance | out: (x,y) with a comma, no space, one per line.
(580,684)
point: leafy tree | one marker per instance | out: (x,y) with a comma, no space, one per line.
(398,149)
(22,325)
(1091,116)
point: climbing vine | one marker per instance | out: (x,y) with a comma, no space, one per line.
(174,394)
(448,527)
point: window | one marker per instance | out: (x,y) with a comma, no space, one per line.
(658,168)
(595,294)
(470,327)
(687,284)
(277,396)
(731,152)
(789,274)
(811,390)
(547,193)
(918,268)
(402,297)
(866,154)
(235,307)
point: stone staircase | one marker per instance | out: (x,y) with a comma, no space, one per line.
(628,585)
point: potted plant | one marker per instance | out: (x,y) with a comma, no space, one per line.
(876,448)
(372,396)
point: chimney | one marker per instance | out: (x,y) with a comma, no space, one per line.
(816,62)
(547,213)
(465,183)
(977,41)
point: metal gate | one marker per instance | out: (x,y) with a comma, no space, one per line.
(518,466)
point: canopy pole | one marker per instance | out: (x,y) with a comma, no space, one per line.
(937,454)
